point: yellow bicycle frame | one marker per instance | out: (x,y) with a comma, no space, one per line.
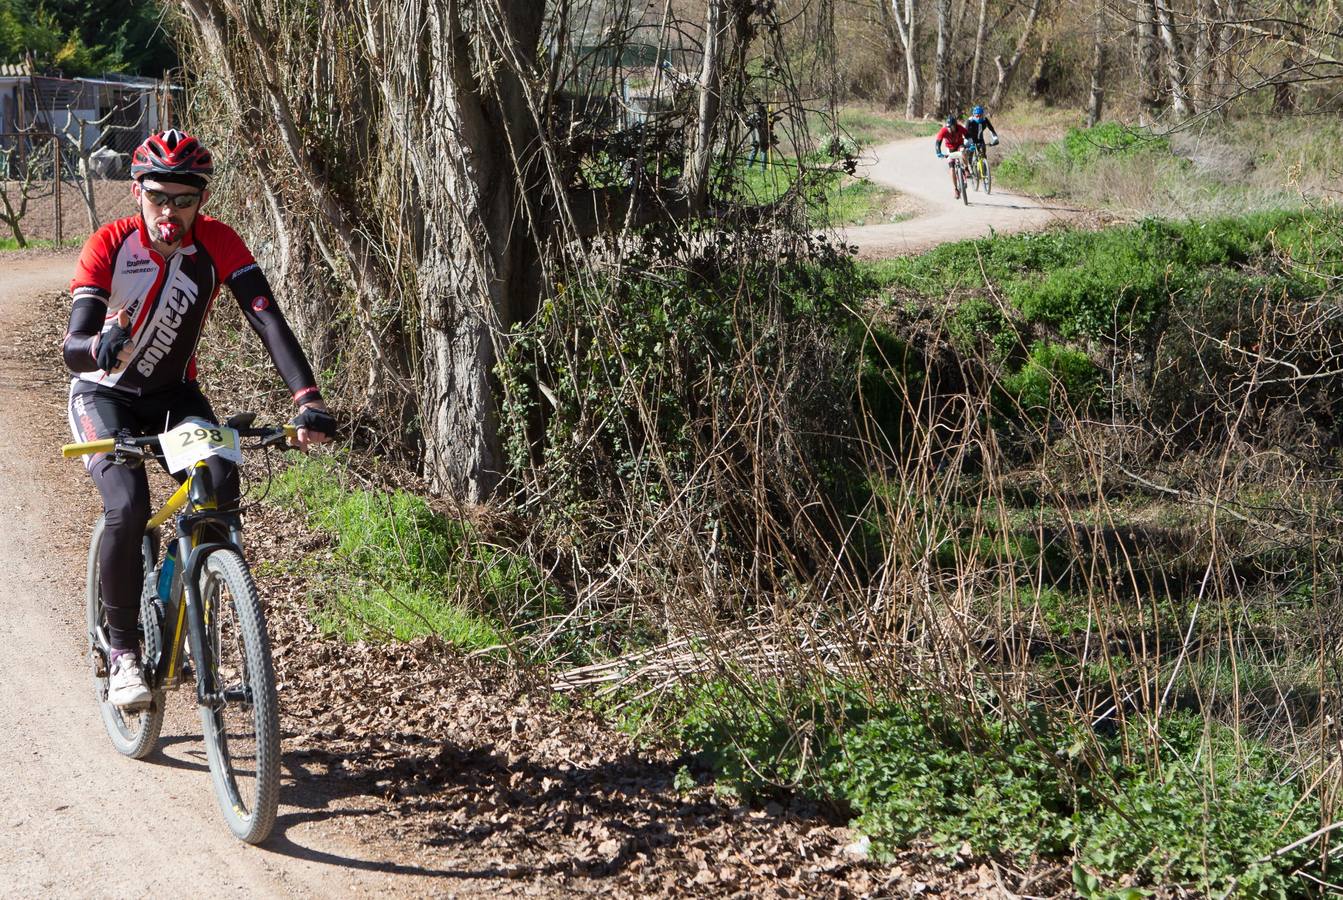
(171,507)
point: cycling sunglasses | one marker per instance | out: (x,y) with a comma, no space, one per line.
(177,201)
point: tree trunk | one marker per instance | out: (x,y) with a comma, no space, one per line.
(1205,60)
(701,149)
(906,24)
(980,33)
(958,84)
(469,141)
(1038,83)
(1222,44)
(1005,70)
(1177,69)
(941,68)
(895,56)
(1149,100)
(1097,104)
(478,275)
(1284,94)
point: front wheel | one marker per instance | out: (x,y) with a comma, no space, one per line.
(134,734)
(960,180)
(242,724)
(986,174)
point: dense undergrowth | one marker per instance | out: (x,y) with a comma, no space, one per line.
(1214,815)
(1023,548)
(1030,545)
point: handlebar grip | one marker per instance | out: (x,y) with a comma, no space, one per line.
(106,445)
(290,431)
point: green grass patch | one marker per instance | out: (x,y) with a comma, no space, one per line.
(9,243)
(1177,802)
(832,198)
(1112,282)
(404,570)
(1042,309)
(362,610)
(1236,167)
(868,127)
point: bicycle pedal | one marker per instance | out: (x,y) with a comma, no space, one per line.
(99,664)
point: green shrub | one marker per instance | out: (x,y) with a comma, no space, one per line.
(1084,145)
(1200,811)
(649,375)
(1054,377)
(978,323)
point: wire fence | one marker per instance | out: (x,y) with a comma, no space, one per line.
(49,194)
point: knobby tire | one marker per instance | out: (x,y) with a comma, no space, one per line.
(987,174)
(133,734)
(242,734)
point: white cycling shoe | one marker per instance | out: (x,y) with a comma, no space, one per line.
(126,686)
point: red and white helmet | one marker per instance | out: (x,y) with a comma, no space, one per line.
(172,154)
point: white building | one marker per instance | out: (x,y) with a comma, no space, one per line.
(46,104)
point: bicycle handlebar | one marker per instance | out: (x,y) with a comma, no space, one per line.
(140,444)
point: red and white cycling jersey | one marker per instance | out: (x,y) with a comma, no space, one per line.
(953,137)
(168,302)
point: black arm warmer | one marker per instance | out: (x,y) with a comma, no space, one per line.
(86,321)
(257,301)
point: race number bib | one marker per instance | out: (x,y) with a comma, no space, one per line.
(195,440)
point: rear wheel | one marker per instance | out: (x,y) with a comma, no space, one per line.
(134,734)
(242,727)
(974,170)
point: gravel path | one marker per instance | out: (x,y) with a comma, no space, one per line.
(910,167)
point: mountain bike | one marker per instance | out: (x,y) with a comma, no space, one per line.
(957,158)
(971,160)
(983,172)
(200,617)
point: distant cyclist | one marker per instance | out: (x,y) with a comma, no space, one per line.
(977,125)
(953,133)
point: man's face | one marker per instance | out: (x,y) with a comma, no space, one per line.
(168,209)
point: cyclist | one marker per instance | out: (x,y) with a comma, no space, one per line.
(954,134)
(976,126)
(142,289)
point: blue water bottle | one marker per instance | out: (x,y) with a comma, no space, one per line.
(166,572)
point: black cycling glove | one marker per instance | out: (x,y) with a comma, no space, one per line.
(109,347)
(316,420)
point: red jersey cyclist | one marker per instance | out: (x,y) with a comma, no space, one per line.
(142,290)
(955,136)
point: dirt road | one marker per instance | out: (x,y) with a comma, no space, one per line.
(77,819)
(910,167)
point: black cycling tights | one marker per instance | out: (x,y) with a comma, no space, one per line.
(125,493)
(102,412)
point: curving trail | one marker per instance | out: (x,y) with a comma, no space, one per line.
(910,167)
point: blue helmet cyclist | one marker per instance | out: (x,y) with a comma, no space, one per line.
(977,125)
